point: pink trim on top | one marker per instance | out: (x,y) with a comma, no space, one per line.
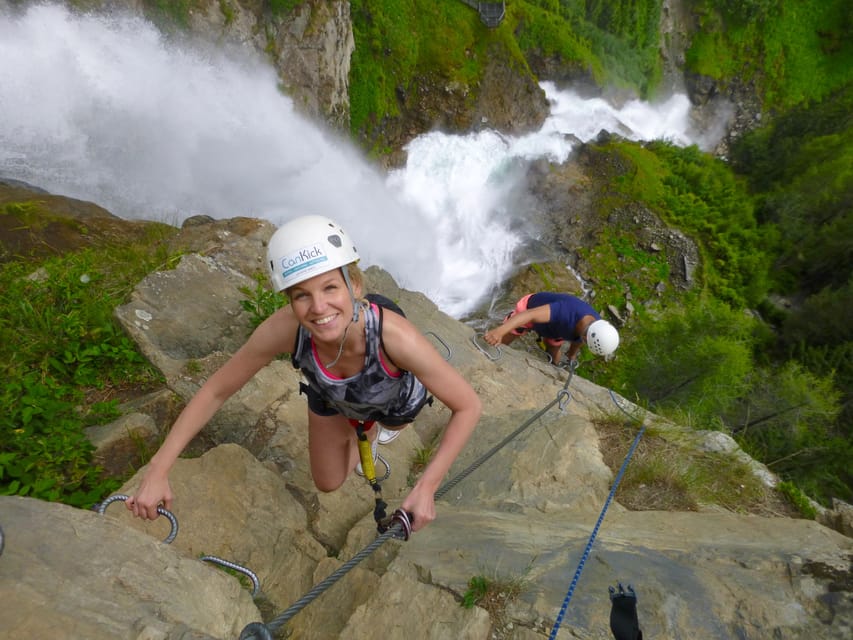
(319,363)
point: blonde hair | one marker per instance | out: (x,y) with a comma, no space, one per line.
(355,274)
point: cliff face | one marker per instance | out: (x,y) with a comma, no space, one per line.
(523,513)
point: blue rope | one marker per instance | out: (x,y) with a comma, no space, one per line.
(595,529)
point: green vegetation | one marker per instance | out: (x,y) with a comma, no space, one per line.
(419,461)
(65,363)
(798,499)
(696,193)
(621,267)
(792,51)
(669,472)
(174,12)
(227,11)
(777,219)
(704,364)
(404,44)
(800,170)
(405,48)
(283,7)
(261,302)
(614,42)
(495,594)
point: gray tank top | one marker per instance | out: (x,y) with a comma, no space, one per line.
(374,393)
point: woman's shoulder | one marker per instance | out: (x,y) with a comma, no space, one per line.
(278,332)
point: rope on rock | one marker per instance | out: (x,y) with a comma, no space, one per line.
(397,529)
(597,526)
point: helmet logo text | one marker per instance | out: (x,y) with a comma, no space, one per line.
(305,258)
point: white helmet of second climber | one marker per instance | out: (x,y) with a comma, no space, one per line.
(602,338)
(306,247)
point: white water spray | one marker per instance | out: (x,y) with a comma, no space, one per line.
(103,108)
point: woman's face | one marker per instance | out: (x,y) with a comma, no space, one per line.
(323,306)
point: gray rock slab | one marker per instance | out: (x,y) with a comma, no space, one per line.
(68,573)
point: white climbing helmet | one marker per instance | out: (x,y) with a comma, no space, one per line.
(602,338)
(305,247)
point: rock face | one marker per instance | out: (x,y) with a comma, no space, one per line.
(525,515)
(310,47)
(69,574)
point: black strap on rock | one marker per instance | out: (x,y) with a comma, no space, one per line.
(623,613)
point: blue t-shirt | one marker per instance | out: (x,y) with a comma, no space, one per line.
(566,311)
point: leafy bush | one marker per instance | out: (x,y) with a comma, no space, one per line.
(702,196)
(64,360)
(798,499)
(695,359)
(261,302)
(792,51)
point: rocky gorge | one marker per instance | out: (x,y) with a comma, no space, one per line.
(524,518)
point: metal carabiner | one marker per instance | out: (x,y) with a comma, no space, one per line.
(563,399)
(483,351)
(405,521)
(100,508)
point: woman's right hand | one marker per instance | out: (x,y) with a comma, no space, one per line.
(152,493)
(493,337)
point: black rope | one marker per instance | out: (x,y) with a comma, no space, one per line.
(260,631)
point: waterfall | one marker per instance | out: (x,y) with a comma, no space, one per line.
(103,108)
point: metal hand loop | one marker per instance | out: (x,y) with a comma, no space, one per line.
(100,508)
(256,584)
(498,351)
(442,343)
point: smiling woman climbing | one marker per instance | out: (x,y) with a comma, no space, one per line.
(361,367)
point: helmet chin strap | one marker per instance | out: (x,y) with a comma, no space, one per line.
(355,305)
(355,309)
